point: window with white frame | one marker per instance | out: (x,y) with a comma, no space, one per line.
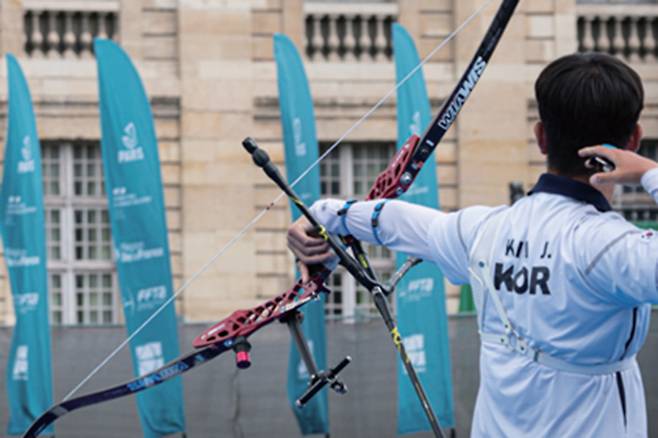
(349,172)
(82,282)
(632,201)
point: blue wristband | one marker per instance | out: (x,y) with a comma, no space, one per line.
(343,214)
(374,220)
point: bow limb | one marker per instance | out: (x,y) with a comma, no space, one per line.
(405,166)
(228,334)
(169,371)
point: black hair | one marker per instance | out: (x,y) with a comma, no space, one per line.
(586,99)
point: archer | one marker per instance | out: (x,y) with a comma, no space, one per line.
(563,286)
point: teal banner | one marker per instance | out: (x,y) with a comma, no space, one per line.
(139,231)
(301,150)
(29,378)
(420,297)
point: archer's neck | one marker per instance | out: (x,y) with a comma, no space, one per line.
(606,189)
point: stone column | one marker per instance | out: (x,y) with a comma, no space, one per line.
(492,128)
(215,52)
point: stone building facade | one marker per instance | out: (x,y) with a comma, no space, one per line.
(208,68)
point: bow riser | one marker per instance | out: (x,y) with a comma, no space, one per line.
(388,184)
(243,323)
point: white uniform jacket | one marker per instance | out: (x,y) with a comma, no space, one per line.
(576,281)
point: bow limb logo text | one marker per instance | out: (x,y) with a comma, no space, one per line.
(130,141)
(300,146)
(26,164)
(462,94)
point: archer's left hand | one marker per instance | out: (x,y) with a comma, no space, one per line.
(308,247)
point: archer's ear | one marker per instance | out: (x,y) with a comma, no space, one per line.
(540,135)
(636,139)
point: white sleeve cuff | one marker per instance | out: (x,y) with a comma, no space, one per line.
(326,212)
(650,183)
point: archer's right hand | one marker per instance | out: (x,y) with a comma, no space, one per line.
(629,166)
(308,247)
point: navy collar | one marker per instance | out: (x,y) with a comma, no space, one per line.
(560,185)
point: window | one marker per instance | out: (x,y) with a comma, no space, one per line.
(349,172)
(82,283)
(632,201)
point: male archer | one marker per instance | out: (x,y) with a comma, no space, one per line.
(563,285)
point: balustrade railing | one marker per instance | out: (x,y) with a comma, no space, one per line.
(349,32)
(629,32)
(67,29)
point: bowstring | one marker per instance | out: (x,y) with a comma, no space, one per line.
(274,201)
